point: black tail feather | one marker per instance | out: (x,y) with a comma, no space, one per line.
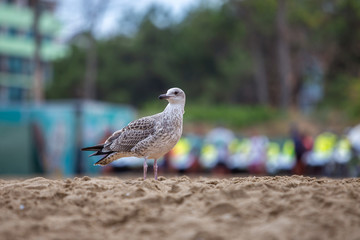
(94,154)
(99,153)
(93,148)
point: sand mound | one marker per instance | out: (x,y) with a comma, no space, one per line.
(180,208)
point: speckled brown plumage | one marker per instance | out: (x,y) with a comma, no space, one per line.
(148,137)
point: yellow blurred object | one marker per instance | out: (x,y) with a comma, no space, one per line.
(325,142)
(182,147)
(288,148)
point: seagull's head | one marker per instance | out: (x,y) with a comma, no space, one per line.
(174,96)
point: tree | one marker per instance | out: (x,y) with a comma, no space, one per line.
(241,52)
(257,23)
(38,91)
(284,59)
(92,11)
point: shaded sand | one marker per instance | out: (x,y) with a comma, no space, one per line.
(180,208)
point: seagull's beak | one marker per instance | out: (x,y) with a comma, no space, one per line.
(164,96)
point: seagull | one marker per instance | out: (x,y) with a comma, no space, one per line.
(149,137)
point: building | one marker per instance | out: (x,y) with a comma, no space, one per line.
(17,47)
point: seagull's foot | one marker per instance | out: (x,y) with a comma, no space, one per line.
(155,169)
(145,168)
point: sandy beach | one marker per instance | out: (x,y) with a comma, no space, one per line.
(180,208)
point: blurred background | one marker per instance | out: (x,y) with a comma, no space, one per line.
(273,86)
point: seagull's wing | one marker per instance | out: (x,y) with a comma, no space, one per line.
(125,139)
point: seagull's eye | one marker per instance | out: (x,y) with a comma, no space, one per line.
(176,92)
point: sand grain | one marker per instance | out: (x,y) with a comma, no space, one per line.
(180,208)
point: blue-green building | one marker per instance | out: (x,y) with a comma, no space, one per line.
(17,47)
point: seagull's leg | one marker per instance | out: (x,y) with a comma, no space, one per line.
(155,169)
(145,168)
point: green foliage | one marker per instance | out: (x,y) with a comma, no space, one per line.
(229,115)
(203,55)
(209,55)
(68,75)
(353,109)
(233,116)
(333,35)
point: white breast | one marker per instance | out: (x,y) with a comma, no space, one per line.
(168,133)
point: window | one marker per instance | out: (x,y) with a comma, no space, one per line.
(30,34)
(12,31)
(3,64)
(3,94)
(47,39)
(27,66)
(15,64)
(15,94)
